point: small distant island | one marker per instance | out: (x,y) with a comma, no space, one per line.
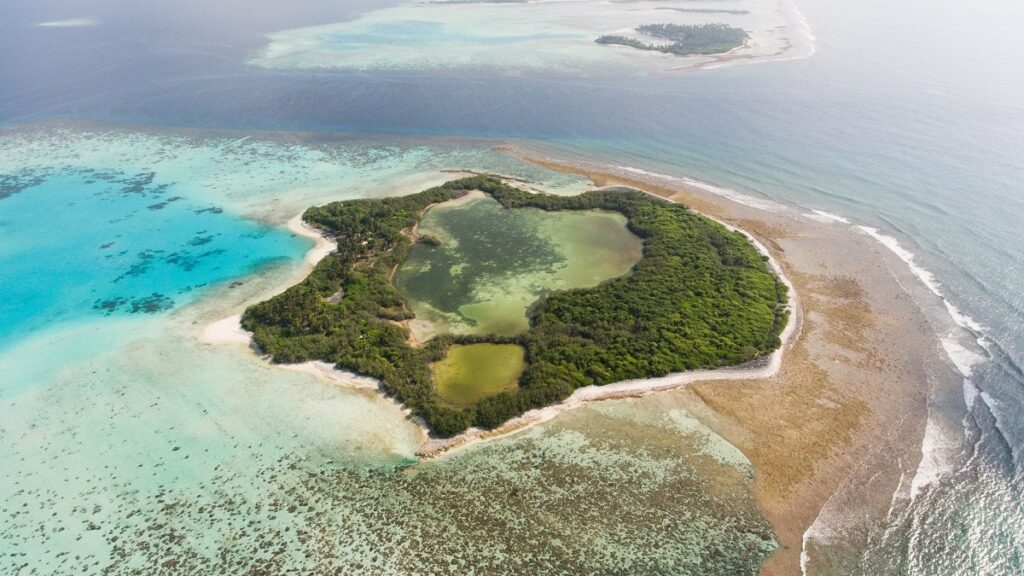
(700,296)
(705,10)
(682,39)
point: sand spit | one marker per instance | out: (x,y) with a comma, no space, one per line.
(322,248)
(328,373)
(833,433)
(229,330)
(226,331)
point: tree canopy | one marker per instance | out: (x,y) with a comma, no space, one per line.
(683,39)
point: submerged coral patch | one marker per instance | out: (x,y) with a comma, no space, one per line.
(151,304)
(12,183)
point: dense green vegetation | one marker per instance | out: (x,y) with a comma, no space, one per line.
(701,297)
(684,39)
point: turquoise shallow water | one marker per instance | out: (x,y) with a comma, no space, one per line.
(110,223)
(83,242)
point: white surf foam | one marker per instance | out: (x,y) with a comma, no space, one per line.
(738,197)
(935,444)
(934,465)
(928,279)
(70,23)
(803,44)
(988,399)
(907,256)
(827,217)
(805,29)
(965,360)
(820,531)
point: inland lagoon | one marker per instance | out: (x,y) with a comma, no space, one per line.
(478,267)
(471,372)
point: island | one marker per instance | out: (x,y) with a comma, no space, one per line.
(705,10)
(682,39)
(698,295)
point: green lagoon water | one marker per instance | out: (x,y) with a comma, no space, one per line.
(493,263)
(474,371)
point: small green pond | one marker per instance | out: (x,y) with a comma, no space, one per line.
(474,371)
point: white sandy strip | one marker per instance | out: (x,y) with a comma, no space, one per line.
(229,331)
(323,246)
(226,331)
(328,373)
(433,447)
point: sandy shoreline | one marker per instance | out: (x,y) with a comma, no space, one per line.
(434,447)
(762,368)
(322,248)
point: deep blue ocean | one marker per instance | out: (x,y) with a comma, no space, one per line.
(909,118)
